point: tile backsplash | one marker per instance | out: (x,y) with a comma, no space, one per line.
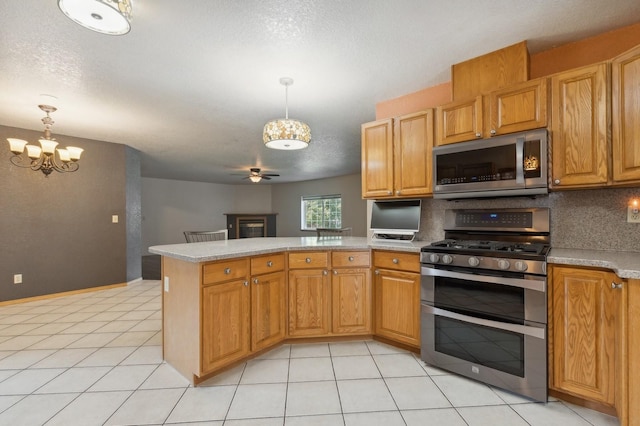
(585,219)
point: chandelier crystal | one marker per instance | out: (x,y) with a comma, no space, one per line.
(285,133)
(104,16)
(43,157)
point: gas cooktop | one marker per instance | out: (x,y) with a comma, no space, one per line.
(487,247)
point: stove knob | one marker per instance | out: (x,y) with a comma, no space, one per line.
(521,266)
(503,264)
(473,261)
(447,259)
(433,258)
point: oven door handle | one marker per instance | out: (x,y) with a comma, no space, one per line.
(537,284)
(537,332)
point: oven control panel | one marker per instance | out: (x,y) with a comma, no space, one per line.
(537,267)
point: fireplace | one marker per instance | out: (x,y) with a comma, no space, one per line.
(251,225)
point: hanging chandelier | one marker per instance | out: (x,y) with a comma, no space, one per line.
(104,16)
(284,133)
(43,157)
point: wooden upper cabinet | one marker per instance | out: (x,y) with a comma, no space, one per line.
(459,121)
(626,116)
(586,333)
(579,123)
(413,143)
(519,107)
(396,156)
(377,159)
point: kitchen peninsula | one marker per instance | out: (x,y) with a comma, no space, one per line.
(226,301)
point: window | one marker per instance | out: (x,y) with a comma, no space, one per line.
(321,211)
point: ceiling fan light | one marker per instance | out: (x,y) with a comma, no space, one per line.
(286,134)
(255,179)
(104,16)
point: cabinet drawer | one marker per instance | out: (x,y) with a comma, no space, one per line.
(304,260)
(266,264)
(396,261)
(225,271)
(347,259)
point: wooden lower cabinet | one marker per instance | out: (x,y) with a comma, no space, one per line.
(225,324)
(309,302)
(351,301)
(586,336)
(268,310)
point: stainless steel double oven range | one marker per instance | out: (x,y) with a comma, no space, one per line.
(484,299)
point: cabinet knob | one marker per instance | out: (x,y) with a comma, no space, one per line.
(376,272)
(478,135)
(246,283)
(227,271)
(308,260)
(398,192)
(255,281)
(325,272)
(335,272)
(269,264)
(556,181)
(395,261)
(615,285)
(350,258)
(493,131)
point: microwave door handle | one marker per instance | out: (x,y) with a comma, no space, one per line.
(520,160)
(515,328)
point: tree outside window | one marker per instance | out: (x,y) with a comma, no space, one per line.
(321,211)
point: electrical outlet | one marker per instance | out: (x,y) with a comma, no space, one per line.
(17,278)
(166,284)
(633,215)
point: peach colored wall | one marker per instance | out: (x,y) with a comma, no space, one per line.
(572,55)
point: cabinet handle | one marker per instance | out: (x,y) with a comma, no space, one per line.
(350,258)
(493,131)
(269,264)
(478,134)
(246,283)
(335,272)
(325,272)
(308,260)
(255,281)
(376,272)
(556,181)
(615,285)
(395,261)
(227,271)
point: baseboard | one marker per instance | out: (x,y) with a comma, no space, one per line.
(134,281)
(61,294)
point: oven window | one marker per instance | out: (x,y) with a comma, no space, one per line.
(498,349)
(486,300)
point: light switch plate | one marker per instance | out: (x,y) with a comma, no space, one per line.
(114,218)
(166,284)
(633,217)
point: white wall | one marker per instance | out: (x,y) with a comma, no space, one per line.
(285,199)
(170,207)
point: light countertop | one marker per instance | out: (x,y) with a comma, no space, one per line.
(218,250)
(625,264)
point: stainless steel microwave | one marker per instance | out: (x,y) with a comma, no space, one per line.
(509,165)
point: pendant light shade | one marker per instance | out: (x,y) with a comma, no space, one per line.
(286,133)
(104,16)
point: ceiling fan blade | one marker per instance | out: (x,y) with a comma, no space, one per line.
(270,174)
(266,177)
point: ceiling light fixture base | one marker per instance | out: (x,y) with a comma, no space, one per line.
(111,17)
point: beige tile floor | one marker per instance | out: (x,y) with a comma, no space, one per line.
(96,359)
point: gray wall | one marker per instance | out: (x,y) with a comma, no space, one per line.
(585,219)
(170,207)
(56,231)
(134,214)
(286,202)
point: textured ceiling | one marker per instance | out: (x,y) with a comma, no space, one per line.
(193,83)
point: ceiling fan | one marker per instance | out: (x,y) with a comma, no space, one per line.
(255,175)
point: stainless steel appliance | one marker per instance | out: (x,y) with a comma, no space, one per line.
(509,165)
(484,299)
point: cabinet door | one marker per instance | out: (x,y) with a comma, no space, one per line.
(268,310)
(585,333)
(579,123)
(413,142)
(520,107)
(459,121)
(351,301)
(309,302)
(225,323)
(377,159)
(397,305)
(626,119)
